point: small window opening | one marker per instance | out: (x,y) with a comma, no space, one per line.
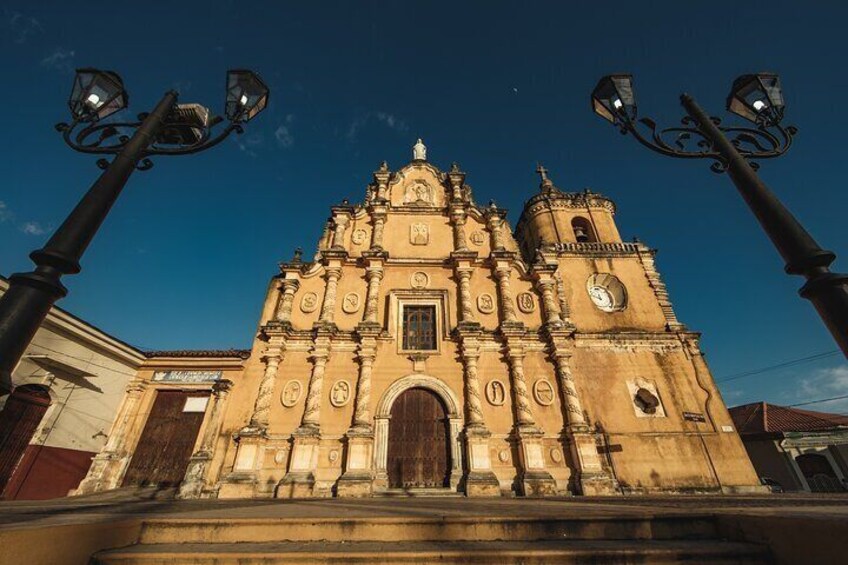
(419,328)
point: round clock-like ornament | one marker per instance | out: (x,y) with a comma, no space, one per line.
(607,292)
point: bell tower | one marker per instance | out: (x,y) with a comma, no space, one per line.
(553,216)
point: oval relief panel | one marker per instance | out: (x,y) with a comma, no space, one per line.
(419,279)
(350,303)
(477,238)
(486,303)
(340,394)
(309,302)
(543,392)
(359,236)
(526,302)
(495,392)
(291,393)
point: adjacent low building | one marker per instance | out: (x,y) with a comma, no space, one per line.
(801,450)
(67,389)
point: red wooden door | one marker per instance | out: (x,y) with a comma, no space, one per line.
(19,419)
(418,441)
(163,451)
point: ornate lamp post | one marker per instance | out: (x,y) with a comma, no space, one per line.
(170,129)
(759,99)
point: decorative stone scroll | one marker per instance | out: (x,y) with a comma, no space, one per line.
(486,303)
(309,302)
(291,393)
(496,392)
(351,302)
(526,302)
(543,392)
(340,394)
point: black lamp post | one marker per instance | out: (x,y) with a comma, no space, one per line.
(759,99)
(170,129)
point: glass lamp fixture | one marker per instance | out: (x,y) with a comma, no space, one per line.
(757,98)
(247,95)
(96,94)
(613,98)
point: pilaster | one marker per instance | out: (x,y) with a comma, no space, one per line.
(647,257)
(196,477)
(534,478)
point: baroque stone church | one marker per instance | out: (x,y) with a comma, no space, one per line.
(428,347)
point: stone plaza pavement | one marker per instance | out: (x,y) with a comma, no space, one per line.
(781,528)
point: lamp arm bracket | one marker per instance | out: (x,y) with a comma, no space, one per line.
(686,142)
(205,142)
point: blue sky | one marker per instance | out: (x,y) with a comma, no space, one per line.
(185,256)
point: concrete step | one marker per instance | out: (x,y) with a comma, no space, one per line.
(422,529)
(524,552)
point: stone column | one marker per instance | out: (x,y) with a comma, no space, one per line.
(575,419)
(338,236)
(379,221)
(503,272)
(495,223)
(284,308)
(328,308)
(312,410)
(262,406)
(374,273)
(196,472)
(479,480)
(565,313)
(299,481)
(108,466)
(466,310)
(546,286)
(458,220)
(358,477)
(326,236)
(521,398)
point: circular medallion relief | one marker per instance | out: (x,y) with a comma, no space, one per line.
(503,456)
(291,393)
(340,394)
(280,456)
(359,236)
(526,302)
(309,302)
(556,455)
(420,279)
(486,303)
(607,292)
(495,392)
(477,238)
(350,303)
(333,456)
(543,392)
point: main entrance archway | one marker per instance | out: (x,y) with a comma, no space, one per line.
(419,452)
(385,413)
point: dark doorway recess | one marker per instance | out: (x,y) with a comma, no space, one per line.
(163,451)
(418,454)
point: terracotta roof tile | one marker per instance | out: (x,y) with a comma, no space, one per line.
(761,417)
(242,353)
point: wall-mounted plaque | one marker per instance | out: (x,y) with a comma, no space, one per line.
(340,394)
(187,376)
(694,417)
(526,302)
(291,393)
(350,303)
(486,303)
(543,392)
(309,302)
(495,392)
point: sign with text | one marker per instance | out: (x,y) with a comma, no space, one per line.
(694,417)
(187,376)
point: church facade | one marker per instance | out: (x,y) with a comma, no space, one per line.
(429,347)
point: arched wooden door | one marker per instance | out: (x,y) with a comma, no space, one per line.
(419,452)
(19,419)
(819,473)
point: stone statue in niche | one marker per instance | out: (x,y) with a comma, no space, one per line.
(419,234)
(418,193)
